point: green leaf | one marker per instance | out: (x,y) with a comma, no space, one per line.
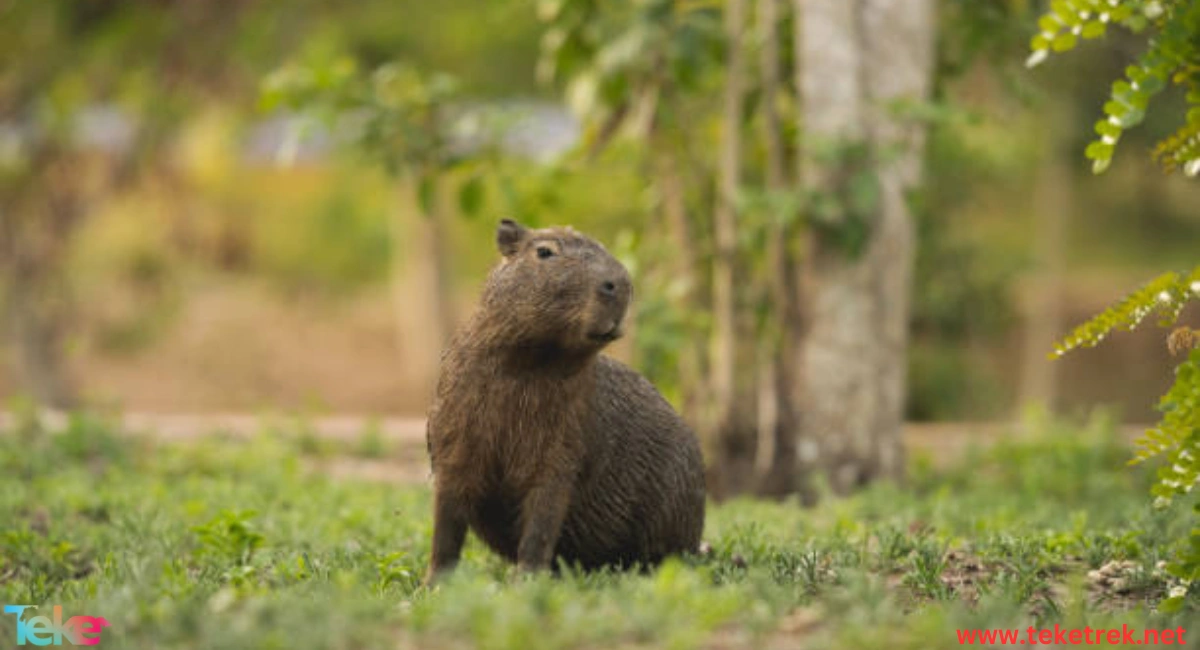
(1063,42)
(1049,23)
(1104,127)
(1152,84)
(1099,151)
(470,196)
(1132,117)
(1094,29)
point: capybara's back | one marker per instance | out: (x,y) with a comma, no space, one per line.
(642,497)
(540,445)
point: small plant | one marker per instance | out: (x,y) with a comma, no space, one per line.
(396,569)
(230,536)
(809,569)
(894,545)
(925,571)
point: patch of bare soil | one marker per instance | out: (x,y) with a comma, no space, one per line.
(238,346)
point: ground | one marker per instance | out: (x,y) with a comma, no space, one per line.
(274,541)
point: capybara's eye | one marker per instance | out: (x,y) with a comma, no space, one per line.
(544,251)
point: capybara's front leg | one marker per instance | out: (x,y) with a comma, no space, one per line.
(542,513)
(449,533)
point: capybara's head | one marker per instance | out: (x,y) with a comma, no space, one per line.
(555,287)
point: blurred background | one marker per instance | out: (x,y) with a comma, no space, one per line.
(231,206)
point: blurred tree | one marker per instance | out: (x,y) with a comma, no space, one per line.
(90,97)
(734,444)
(860,62)
(65,62)
(33,239)
(963,298)
(616,62)
(413,124)
(778,431)
(645,68)
(93,94)
(1053,200)
(42,195)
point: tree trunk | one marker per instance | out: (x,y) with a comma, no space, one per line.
(36,324)
(1053,201)
(731,443)
(857,58)
(778,471)
(425,277)
(397,271)
(35,232)
(674,210)
(436,248)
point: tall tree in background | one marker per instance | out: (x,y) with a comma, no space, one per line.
(38,217)
(840,373)
(1054,199)
(729,433)
(43,190)
(859,62)
(65,59)
(778,427)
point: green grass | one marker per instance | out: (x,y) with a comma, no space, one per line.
(234,544)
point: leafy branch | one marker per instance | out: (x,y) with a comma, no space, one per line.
(399,116)
(1165,296)
(1172,55)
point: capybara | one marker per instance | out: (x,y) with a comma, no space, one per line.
(546,449)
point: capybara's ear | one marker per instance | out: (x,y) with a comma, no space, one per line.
(509,235)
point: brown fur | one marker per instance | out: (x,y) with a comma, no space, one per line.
(540,445)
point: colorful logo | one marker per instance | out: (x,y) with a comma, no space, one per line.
(41,630)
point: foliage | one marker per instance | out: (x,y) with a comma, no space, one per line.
(663,329)
(963,299)
(650,71)
(844,210)
(617,60)
(1165,296)
(396,114)
(972,31)
(237,543)
(1172,56)
(1176,438)
(230,536)
(647,70)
